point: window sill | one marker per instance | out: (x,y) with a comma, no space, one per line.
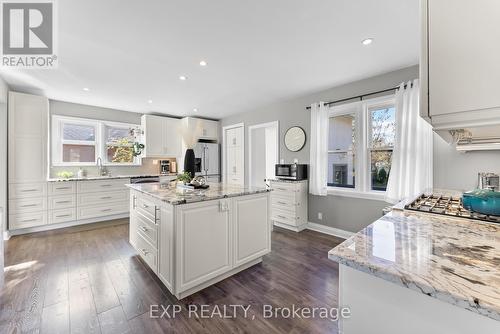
(373,195)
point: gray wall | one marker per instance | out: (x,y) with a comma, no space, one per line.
(458,170)
(340,212)
(105,114)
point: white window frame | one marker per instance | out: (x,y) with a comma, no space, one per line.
(361,110)
(99,142)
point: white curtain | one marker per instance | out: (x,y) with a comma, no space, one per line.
(318,149)
(411,169)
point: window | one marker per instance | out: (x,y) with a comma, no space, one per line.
(342,151)
(79,142)
(119,144)
(360,144)
(382,128)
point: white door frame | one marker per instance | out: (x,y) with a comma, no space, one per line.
(257,126)
(224,140)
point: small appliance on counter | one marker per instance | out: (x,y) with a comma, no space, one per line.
(488,181)
(296,172)
(168,166)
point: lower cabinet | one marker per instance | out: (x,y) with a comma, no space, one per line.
(200,243)
(203,238)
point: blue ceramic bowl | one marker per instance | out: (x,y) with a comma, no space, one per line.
(482,201)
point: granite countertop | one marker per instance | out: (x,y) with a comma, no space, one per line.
(286,180)
(170,194)
(105,177)
(455,260)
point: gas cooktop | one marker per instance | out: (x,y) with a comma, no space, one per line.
(448,206)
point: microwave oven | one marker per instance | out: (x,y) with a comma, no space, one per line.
(295,172)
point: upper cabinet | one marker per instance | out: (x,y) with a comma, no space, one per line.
(207,129)
(28,137)
(459,67)
(162,137)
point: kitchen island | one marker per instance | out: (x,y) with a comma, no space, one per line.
(412,272)
(193,239)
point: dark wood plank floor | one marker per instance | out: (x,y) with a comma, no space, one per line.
(90,280)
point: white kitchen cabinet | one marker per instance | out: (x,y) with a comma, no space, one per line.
(162,137)
(234,156)
(289,204)
(166,246)
(252,235)
(207,129)
(204,242)
(459,62)
(27,160)
(27,140)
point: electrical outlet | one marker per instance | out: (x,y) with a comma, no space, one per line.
(320,215)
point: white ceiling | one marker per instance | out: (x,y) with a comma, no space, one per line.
(258,51)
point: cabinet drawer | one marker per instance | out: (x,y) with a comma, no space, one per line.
(101,185)
(146,207)
(62,188)
(147,228)
(284,186)
(148,252)
(62,202)
(25,190)
(102,210)
(23,205)
(24,220)
(102,197)
(62,215)
(288,202)
(284,216)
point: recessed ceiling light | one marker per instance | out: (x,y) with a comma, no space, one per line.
(150,101)
(182,77)
(367,41)
(86,89)
(195,109)
(203,63)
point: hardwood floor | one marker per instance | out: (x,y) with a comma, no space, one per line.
(90,280)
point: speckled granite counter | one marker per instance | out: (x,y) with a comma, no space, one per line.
(452,259)
(174,196)
(94,178)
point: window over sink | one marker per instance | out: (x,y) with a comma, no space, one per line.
(80,142)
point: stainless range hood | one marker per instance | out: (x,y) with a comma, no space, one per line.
(484,138)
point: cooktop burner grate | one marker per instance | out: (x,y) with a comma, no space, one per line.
(448,206)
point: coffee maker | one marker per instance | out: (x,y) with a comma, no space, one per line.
(165,167)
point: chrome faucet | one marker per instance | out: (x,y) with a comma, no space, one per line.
(102,170)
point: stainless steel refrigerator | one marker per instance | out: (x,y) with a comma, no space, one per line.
(207,160)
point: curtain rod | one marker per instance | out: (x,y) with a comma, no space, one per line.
(360,97)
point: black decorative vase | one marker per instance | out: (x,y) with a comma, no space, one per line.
(189,162)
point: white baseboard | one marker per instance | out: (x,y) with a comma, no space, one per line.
(63,225)
(329,230)
(290,227)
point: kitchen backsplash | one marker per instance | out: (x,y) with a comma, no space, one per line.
(149,166)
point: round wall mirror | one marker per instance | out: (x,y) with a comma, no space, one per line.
(295,138)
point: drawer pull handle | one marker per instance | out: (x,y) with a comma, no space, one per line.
(28,190)
(145,206)
(106,197)
(105,210)
(145,252)
(281,203)
(62,202)
(106,185)
(62,216)
(63,188)
(29,220)
(280,216)
(144,228)
(28,205)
